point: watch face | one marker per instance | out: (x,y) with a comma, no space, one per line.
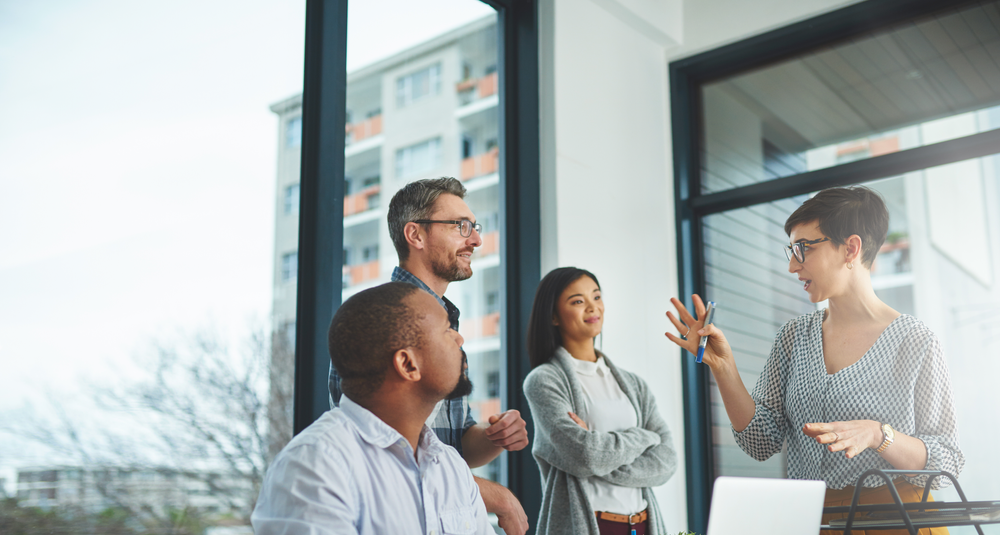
(888,432)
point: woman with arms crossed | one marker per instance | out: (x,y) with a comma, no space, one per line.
(600,443)
(851,387)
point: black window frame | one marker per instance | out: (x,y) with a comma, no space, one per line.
(322,199)
(687,76)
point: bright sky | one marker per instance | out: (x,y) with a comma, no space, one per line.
(137,168)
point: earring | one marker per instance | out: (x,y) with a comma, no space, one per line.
(850,265)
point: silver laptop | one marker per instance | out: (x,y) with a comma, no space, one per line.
(759,506)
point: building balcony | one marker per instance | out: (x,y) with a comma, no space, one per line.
(362,201)
(484,408)
(490,246)
(358,273)
(867,148)
(370,127)
(482,164)
(474,89)
(481,327)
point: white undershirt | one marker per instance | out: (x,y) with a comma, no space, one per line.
(606,408)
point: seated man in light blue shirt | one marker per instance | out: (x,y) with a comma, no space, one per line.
(371,466)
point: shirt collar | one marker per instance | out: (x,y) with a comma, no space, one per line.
(584,367)
(374,431)
(401,275)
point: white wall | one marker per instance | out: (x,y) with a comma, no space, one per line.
(607,171)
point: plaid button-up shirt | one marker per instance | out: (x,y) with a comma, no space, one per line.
(452,417)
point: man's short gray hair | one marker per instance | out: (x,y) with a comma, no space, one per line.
(416,201)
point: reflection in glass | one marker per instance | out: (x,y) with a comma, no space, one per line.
(858,99)
(940,262)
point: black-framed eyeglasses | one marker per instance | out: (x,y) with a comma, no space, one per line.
(798,249)
(465,227)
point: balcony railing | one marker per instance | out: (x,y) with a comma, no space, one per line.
(365,129)
(477,88)
(482,164)
(362,201)
(490,246)
(358,273)
(483,409)
(481,327)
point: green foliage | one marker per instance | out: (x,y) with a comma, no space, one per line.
(16,520)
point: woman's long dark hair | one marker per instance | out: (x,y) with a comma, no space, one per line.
(543,336)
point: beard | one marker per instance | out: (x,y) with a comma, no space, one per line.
(464,386)
(450,271)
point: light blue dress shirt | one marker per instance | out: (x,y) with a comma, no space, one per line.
(350,473)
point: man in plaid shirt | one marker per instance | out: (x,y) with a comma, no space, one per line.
(435,233)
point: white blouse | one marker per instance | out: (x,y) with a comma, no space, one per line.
(606,408)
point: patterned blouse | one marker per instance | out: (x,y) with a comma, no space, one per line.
(902,380)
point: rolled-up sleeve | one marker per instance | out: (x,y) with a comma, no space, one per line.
(765,434)
(935,421)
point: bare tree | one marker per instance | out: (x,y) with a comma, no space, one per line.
(205,415)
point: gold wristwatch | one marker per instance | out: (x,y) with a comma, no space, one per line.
(888,435)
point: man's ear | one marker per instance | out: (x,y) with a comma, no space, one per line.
(414,234)
(404,363)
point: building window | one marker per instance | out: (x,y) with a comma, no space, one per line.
(292,199)
(289,266)
(293,132)
(415,86)
(466,146)
(419,158)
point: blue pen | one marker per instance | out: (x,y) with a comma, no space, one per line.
(709,312)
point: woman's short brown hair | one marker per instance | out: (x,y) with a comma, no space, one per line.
(843,212)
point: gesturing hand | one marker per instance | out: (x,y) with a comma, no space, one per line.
(717,351)
(851,437)
(508,431)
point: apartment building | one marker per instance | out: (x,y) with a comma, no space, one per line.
(425,112)
(94,489)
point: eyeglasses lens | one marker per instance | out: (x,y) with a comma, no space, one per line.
(795,250)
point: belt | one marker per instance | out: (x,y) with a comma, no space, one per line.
(624,519)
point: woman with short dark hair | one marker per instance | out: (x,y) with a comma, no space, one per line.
(851,387)
(599,442)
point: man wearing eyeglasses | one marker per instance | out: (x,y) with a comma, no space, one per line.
(434,233)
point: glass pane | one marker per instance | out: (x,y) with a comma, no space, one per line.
(858,99)
(422,102)
(136,215)
(746,274)
(940,262)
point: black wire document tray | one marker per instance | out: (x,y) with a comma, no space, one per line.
(912,516)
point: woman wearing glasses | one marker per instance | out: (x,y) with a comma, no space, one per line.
(851,387)
(599,442)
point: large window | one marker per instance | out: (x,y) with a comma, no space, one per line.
(905,103)
(411,94)
(138,210)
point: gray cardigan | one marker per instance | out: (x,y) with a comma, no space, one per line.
(641,456)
